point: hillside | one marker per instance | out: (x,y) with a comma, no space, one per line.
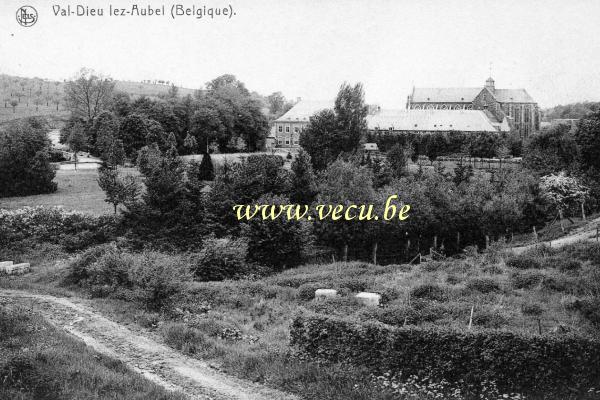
(569,111)
(38,96)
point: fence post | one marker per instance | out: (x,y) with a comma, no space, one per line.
(375,253)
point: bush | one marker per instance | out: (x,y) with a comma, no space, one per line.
(589,309)
(563,264)
(571,365)
(157,278)
(306,291)
(404,314)
(220,259)
(78,271)
(523,262)
(559,283)
(429,291)
(149,277)
(185,339)
(483,285)
(525,279)
(355,284)
(489,319)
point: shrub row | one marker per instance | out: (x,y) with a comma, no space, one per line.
(74,231)
(540,366)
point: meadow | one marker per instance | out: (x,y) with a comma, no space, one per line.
(77,191)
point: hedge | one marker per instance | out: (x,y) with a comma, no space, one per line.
(550,367)
(74,231)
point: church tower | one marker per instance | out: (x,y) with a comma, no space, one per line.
(489,84)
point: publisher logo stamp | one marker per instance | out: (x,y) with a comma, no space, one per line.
(27,16)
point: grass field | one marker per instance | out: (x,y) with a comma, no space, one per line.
(37,361)
(77,191)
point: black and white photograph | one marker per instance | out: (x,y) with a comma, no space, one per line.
(299,200)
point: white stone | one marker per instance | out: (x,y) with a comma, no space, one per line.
(16,268)
(323,293)
(369,299)
(5,264)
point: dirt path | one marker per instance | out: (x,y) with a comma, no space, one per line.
(155,361)
(586,232)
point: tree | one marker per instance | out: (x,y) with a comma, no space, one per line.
(398,157)
(228,115)
(37,101)
(56,100)
(462,173)
(278,105)
(563,192)
(243,183)
(344,183)
(485,144)
(319,139)
(224,81)
(77,142)
(118,190)
(173,92)
(206,170)
(304,185)
(278,243)
(351,115)
(133,132)
(551,151)
(332,132)
(88,94)
(190,143)
(382,172)
(24,159)
(587,137)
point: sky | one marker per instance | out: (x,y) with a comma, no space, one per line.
(307,48)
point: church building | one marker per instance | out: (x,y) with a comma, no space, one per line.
(512,106)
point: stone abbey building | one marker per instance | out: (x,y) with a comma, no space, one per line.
(485,109)
(512,106)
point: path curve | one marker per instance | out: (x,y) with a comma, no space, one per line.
(155,361)
(583,233)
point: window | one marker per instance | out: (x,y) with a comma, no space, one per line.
(295,141)
(279,141)
(296,129)
(287,141)
(280,128)
(287,128)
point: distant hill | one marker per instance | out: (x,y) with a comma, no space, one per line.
(37,96)
(573,110)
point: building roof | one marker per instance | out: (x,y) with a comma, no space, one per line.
(304,109)
(512,96)
(434,120)
(467,95)
(445,95)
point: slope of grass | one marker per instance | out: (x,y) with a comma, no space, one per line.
(77,191)
(39,362)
